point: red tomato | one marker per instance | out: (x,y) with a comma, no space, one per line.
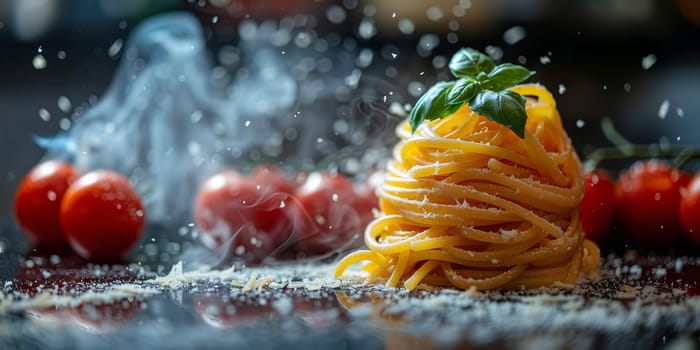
(329,201)
(250,216)
(102,216)
(648,197)
(690,209)
(38,202)
(598,205)
(273,177)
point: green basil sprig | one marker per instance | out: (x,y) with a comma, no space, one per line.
(483,85)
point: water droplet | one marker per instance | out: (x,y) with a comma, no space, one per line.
(452,38)
(426,44)
(627,87)
(51,195)
(513,35)
(139,213)
(434,13)
(40,49)
(657,196)
(215,19)
(248,122)
(44,115)
(495,52)
(39,62)
(61,54)
(545,60)
(439,62)
(369,10)
(319,140)
(522,59)
(366,29)
(580,123)
(196,116)
(648,61)
(64,104)
(336,14)
(680,112)
(562,89)
(353,79)
(364,59)
(406,26)
(283,204)
(116,47)
(194,148)
(340,127)
(453,25)
(64,124)
(334,197)
(416,88)
(663,109)
(303,39)
(122,25)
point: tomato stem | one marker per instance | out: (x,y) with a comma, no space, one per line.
(679,154)
(624,149)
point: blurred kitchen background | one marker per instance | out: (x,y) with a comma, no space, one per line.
(634,61)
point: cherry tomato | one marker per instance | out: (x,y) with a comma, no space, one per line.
(102,216)
(38,202)
(598,205)
(273,177)
(690,209)
(329,201)
(249,215)
(648,197)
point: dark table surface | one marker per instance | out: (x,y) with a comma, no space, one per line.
(58,302)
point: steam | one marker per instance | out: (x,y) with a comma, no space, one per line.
(170,117)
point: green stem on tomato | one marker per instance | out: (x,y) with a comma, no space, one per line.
(624,149)
(613,135)
(679,154)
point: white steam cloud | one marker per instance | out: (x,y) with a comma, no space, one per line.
(167,121)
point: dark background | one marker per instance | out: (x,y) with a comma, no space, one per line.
(595,49)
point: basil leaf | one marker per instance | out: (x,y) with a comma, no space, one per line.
(432,105)
(504,107)
(462,91)
(468,62)
(506,75)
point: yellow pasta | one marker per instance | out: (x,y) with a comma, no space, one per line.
(467,203)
